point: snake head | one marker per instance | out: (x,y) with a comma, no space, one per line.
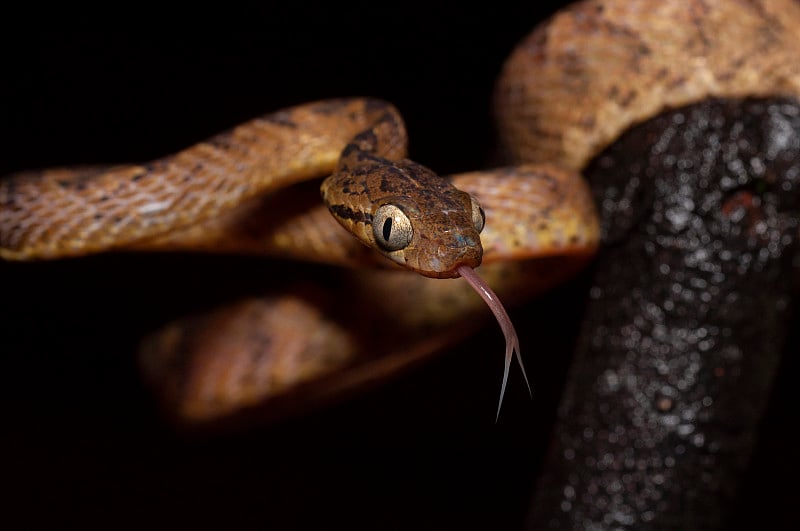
(408,214)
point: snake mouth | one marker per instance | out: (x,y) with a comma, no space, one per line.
(435,269)
(437,261)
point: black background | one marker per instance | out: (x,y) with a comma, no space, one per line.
(82,439)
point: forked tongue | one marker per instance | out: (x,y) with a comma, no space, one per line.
(512,341)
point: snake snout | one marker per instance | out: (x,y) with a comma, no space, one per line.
(466,251)
(450,254)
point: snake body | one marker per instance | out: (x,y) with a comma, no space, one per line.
(68,212)
(209,196)
(205,197)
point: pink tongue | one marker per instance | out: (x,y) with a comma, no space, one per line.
(512,342)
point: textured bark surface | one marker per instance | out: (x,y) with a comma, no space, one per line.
(687,318)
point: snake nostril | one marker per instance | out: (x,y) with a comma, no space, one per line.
(462,242)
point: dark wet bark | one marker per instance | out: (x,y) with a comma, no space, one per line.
(687,319)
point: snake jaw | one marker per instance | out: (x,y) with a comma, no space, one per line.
(499,311)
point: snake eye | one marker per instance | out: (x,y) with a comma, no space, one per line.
(478,215)
(391,228)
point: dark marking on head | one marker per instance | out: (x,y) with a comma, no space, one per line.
(347,213)
(390,179)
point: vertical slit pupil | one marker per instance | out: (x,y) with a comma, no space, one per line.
(387,229)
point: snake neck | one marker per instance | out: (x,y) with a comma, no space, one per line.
(385,141)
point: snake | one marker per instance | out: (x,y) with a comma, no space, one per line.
(196,199)
(591,72)
(551,122)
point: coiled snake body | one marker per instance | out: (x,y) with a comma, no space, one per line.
(579,81)
(198,198)
(209,196)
